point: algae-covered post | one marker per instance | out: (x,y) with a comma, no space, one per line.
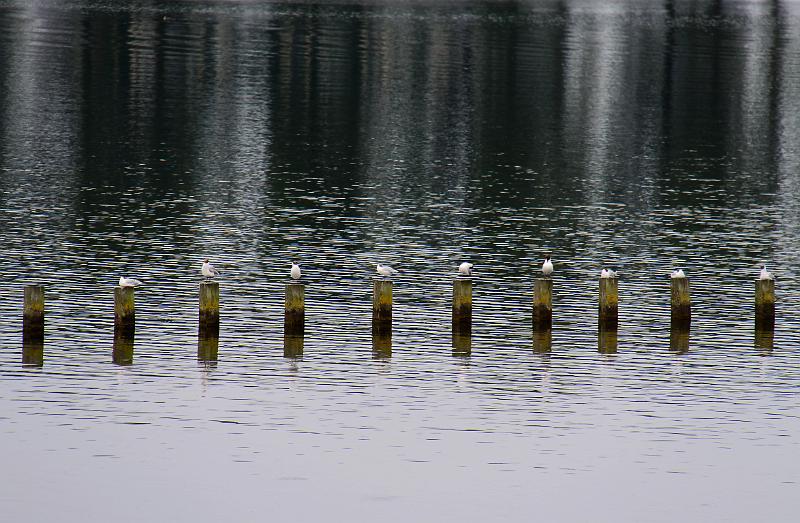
(124,311)
(209,309)
(608,304)
(681,317)
(542,304)
(462,305)
(33,314)
(381,307)
(294,309)
(765,304)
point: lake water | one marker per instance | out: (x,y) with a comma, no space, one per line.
(137,138)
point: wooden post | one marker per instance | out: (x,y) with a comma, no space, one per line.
(764,341)
(209,310)
(32,353)
(608,305)
(765,305)
(607,341)
(679,340)
(207,346)
(124,312)
(122,351)
(294,310)
(293,346)
(542,341)
(681,317)
(462,343)
(381,343)
(33,315)
(381,307)
(542,304)
(462,305)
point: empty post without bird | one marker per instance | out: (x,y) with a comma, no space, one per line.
(33,314)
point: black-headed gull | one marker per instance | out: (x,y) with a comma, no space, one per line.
(765,274)
(128,282)
(465,269)
(677,274)
(547,266)
(208,270)
(385,270)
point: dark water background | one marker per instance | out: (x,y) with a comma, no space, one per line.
(137,138)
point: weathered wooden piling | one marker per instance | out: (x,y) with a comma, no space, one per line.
(122,351)
(542,304)
(462,343)
(765,305)
(542,340)
(681,317)
(381,344)
(124,311)
(209,310)
(607,318)
(764,341)
(33,314)
(381,307)
(294,310)
(462,305)
(293,346)
(679,340)
(607,341)
(32,353)
(207,347)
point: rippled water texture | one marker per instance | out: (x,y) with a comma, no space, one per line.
(138,138)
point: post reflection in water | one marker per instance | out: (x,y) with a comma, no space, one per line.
(607,341)
(207,347)
(293,345)
(679,340)
(33,353)
(542,341)
(764,341)
(122,351)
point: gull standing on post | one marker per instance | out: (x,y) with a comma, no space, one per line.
(604,274)
(465,269)
(547,266)
(677,274)
(765,274)
(295,272)
(128,282)
(385,270)
(208,270)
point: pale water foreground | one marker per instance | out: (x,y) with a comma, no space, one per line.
(139,138)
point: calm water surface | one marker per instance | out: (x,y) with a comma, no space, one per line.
(138,138)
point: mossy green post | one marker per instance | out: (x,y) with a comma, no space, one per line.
(462,305)
(294,310)
(542,304)
(681,304)
(765,305)
(381,307)
(209,310)
(33,315)
(608,305)
(124,312)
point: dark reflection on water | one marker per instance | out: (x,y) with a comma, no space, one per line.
(33,353)
(138,138)
(122,350)
(607,341)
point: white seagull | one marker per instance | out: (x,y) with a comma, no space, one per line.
(612,273)
(677,274)
(547,266)
(765,274)
(465,269)
(385,270)
(295,271)
(208,270)
(128,282)
(604,274)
